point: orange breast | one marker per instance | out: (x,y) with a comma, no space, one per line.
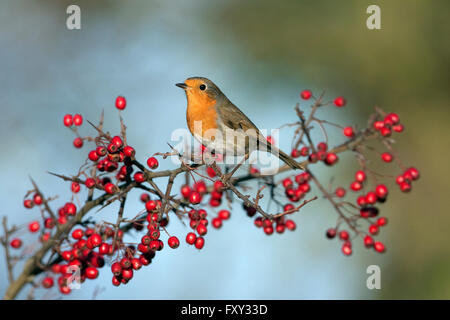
(201,115)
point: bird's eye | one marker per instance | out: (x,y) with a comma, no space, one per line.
(202,87)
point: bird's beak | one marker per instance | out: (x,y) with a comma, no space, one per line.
(182,85)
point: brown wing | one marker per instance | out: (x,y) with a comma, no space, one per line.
(235,119)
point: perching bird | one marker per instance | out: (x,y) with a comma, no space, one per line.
(220,126)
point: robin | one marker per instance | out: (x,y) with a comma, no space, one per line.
(220,126)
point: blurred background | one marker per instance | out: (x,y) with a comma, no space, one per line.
(261,55)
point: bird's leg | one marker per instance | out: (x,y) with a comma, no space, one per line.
(230,174)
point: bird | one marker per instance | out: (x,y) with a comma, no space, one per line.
(221,126)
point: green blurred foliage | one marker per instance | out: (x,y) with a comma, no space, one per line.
(404,68)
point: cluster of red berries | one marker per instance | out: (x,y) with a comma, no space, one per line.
(221,217)
(321,154)
(199,189)
(75,120)
(391,122)
(133,258)
(405,180)
(198,222)
(368,240)
(296,192)
(82,259)
(279,225)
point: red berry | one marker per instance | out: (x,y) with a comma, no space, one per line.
(280,228)
(199,242)
(116,268)
(34,226)
(27,203)
(373,229)
(91,272)
(381,221)
(216,223)
(78,142)
(116,281)
(385,132)
(77,234)
(127,274)
(89,183)
(360,176)
(67,255)
(210,171)
(398,128)
(379,246)
(16,243)
(201,229)
(346,249)
(139,177)
(77,120)
(355,186)
(195,197)
(348,132)
(405,187)
(287,183)
(306,94)
(117,141)
(371,197)
(70,208)
(129,151)
(368,241)
(101,151)
(339,102)
(104,248)
(151,205)
(295,153)
(378,125)
(152,163)
(75,187)
(268,230)
(224,214)
(190,238)
(386,157)
(340,192)
(95,240)
(47,282)
(93,156)
(290,225)
(322,146)
(331,158)
(68,120)
(304,151)
(110,188)
(331,233)
(121,103)
(392,118)
(258,222)
(37,199)
(343,235)
(173,242)
(414,173)
(361,200)
(136,263)
(381,191)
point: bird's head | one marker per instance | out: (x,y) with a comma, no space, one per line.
(200,90)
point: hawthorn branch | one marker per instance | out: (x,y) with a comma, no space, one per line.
(5,243)
(31,268)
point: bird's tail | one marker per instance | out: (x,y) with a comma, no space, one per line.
(289,161)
